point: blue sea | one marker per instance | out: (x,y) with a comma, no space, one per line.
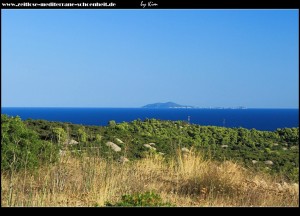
(260,119)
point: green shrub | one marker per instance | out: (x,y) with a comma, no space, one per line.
(21,147)
(59,134)
(82,137)
(140,199)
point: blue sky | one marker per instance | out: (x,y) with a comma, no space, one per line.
(129,58)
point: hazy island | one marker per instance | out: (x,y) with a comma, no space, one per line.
(172,105)
(166,105)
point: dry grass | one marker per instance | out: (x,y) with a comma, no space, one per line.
(186,180)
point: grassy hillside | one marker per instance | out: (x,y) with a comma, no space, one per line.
(156,163)
(251,148)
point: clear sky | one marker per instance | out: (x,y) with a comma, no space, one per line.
(130,58)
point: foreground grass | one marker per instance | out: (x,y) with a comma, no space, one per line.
(185,180)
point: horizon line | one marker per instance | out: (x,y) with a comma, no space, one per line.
(215,107)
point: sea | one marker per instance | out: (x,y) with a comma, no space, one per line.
(259,119)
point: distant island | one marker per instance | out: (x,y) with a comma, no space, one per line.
(166,105)
(172,105)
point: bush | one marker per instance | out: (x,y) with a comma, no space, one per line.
(140,199)
(59,134)
(21,147)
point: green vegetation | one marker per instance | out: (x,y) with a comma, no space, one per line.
(251,148)
(82,135)
(149,199)
(21,146)
(59,134)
